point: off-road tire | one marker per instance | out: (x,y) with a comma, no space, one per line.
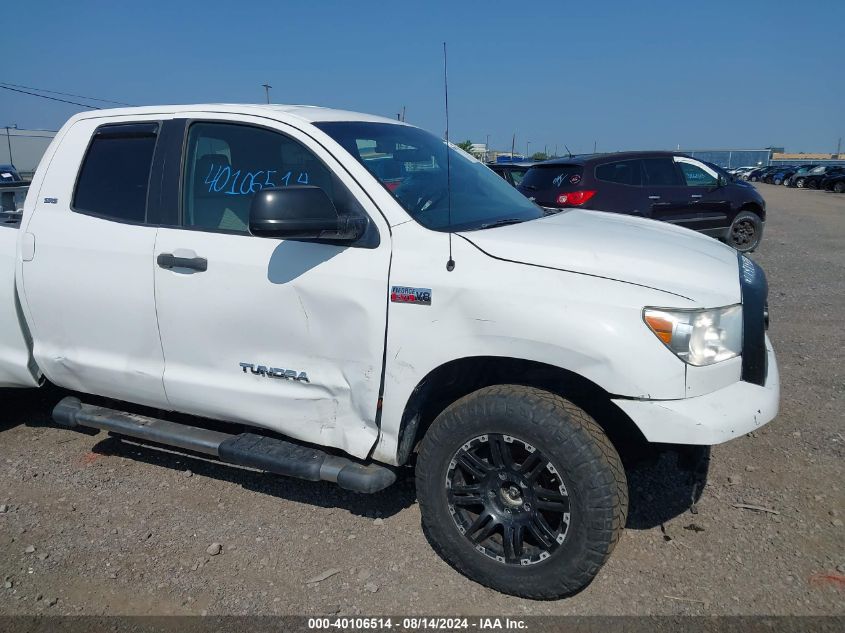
(839,187)
(587,462)
(738,234)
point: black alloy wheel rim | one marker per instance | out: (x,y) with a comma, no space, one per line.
(507,499)
(743,232)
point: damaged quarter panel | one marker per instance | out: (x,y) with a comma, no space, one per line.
(489,307)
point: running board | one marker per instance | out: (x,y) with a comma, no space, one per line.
(247,449)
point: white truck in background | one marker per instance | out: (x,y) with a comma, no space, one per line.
(364,297)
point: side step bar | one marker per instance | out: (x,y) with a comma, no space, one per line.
(247,449)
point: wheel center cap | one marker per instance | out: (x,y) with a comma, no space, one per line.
(511,494)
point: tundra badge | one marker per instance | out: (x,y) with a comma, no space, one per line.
(275,372)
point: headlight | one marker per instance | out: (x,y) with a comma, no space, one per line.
(698,337)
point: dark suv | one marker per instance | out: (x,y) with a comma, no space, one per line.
(663,186)
(8,173)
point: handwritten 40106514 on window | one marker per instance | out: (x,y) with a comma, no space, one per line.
(221,179)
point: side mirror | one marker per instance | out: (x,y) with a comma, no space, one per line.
(301,212)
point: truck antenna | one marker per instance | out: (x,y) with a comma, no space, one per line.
(568,150)
(450,265)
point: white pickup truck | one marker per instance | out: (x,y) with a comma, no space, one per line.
(362,297)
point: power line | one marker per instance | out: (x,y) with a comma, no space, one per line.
(66,94)
(35,94)
(30,135)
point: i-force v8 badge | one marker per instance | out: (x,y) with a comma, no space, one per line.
(406,294)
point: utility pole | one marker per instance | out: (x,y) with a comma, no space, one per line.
(267,91)
(839,148)
(9,141)
(527,149)
(513,145)
(595,144)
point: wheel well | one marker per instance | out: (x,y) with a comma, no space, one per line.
(458,378)
(755,209)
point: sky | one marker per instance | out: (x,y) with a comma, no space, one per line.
(614,75)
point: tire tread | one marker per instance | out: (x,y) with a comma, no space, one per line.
(588,451)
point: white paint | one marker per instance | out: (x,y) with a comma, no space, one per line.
(717,417)
(567,290)
(313,308)
(16,366)
(89,290)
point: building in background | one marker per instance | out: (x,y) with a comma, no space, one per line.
(730,158)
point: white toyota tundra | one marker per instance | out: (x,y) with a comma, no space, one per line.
(361,296)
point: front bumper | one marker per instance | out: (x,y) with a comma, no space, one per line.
(712,418)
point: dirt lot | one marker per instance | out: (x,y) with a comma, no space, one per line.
(90,525)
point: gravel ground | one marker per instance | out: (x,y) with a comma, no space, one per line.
(92,525)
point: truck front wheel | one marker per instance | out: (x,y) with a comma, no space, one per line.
(521,491)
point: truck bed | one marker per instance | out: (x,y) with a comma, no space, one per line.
(12,196)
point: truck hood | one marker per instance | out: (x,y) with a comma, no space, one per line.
(623,248)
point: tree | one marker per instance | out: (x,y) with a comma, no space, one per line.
(539,156)
(466,146)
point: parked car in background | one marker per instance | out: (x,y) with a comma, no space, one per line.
(738,171)
(8,173)
(835,183)
(763,173)
(743,172)
(797,179)
(786,172)
(755,174)
(511,172)
(815,176)
(776,172)
(665,186)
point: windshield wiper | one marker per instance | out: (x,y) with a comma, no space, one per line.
(504,222)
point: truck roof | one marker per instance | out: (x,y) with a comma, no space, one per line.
(310,114)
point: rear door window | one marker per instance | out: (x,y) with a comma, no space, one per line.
(115,174)
(661,172)
(560,177)
(623,172)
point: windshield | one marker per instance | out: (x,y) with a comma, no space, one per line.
(411,164)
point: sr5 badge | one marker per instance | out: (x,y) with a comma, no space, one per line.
(406,294)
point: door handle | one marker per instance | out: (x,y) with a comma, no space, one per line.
(654,197)
(696,195)
(169,260)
